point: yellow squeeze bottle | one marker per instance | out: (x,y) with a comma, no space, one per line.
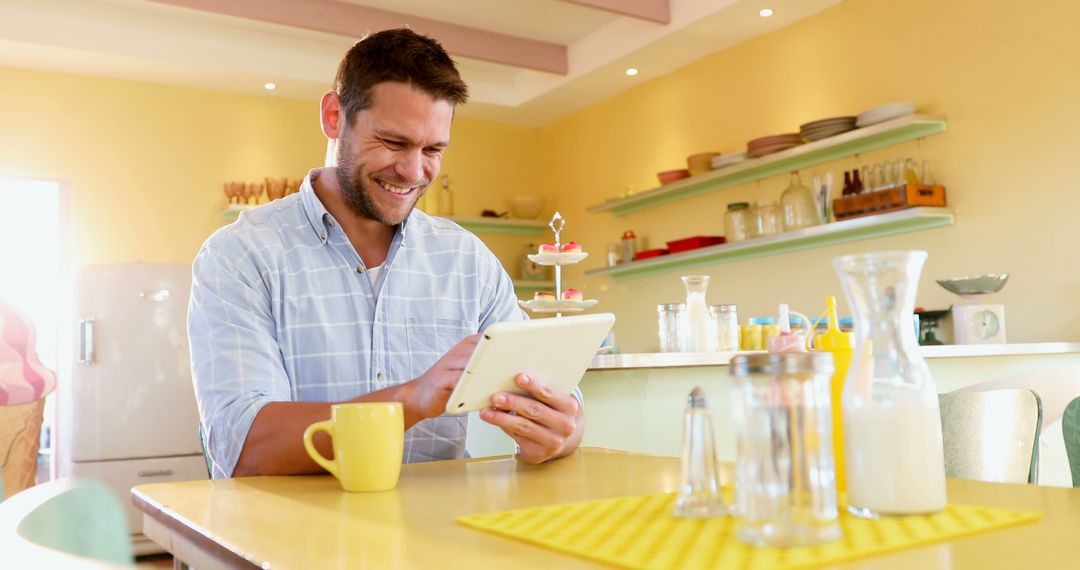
(839,344)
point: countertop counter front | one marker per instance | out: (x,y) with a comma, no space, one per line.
(681,359)
(309,522)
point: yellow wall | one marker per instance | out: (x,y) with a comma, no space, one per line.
(1007,77)
(145,163)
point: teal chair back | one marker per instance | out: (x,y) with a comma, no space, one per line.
(992,435)
(1070,428)
(65,524)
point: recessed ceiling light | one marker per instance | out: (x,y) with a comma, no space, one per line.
(631,71)
(270,86)
(765,12)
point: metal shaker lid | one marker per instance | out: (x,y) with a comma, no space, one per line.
(781,363)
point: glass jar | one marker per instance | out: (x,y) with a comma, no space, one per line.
(764,219)
(892,425)
(785,487)
(737,222)
(727,327)
(669,323)
(798,205)
(698,331)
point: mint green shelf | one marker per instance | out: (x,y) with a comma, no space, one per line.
(910,220)
(479,224)
(520,285)
(803,156)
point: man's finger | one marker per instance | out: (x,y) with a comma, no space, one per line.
(540,390)
(526,407)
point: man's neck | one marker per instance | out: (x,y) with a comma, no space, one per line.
(370,238)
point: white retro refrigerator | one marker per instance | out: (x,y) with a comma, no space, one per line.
(126,414)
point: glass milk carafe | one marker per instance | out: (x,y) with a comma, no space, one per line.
(698,326)
(892,425)
(798,206)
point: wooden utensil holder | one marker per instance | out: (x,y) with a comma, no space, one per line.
(899,198)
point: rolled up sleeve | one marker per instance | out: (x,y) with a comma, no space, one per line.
(236,361)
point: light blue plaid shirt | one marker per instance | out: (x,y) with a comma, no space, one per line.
(282,310)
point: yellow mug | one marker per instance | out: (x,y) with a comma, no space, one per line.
(368,440)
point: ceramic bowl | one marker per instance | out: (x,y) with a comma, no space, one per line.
(526,207)
(669,176)
(978,285)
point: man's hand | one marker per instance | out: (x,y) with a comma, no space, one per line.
(546,424)
(427,395)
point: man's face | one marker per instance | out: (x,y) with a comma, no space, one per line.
(392,151)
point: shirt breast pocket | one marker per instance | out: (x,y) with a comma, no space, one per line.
(430,338)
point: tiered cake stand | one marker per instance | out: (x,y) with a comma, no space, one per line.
(558,305)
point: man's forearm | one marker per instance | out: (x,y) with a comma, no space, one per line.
(275,441)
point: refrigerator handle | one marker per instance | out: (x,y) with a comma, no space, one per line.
(86,341)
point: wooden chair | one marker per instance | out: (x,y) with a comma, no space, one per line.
(1070,428)
(991,436)
(64,524)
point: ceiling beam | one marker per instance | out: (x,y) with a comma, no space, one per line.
(652,10)
(355,21)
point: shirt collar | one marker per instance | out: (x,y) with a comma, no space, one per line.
(318,215)
(314,209)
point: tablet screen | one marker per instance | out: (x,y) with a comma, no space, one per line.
(555,350)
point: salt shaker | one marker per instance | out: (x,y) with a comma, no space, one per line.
(699,494)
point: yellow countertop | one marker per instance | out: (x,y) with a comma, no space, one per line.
(308,522)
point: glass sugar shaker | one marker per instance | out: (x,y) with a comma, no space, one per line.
(699,493)
(785,484)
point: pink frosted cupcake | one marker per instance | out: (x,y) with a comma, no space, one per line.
(571,247)
(543,296)
(548,248)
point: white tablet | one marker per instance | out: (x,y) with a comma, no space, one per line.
(557,350)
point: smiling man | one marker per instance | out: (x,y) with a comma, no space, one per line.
(343,292)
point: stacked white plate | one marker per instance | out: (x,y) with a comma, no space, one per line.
(824,128)
(728,159)
(884,113)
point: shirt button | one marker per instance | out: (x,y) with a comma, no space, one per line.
(380,378)
(359,268)
(323,236)
(330,223)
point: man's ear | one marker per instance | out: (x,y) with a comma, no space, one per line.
(330,115)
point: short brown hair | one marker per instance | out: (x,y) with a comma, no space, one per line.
(400,55)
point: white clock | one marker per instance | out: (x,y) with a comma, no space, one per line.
(979,324)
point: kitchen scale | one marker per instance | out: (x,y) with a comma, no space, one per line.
(976,322)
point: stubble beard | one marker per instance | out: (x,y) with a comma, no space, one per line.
(357,194)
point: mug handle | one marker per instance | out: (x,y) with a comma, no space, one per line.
(309,445)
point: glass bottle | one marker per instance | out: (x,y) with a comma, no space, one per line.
(892,425)
(629,245)
(446,198)
(847,184)
(699,493)
(698,328)
(797,204)
(856,183)
(926,176)
(737,222)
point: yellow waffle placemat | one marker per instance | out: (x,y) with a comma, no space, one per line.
(641,532)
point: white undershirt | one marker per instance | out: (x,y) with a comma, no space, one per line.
(375,276)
